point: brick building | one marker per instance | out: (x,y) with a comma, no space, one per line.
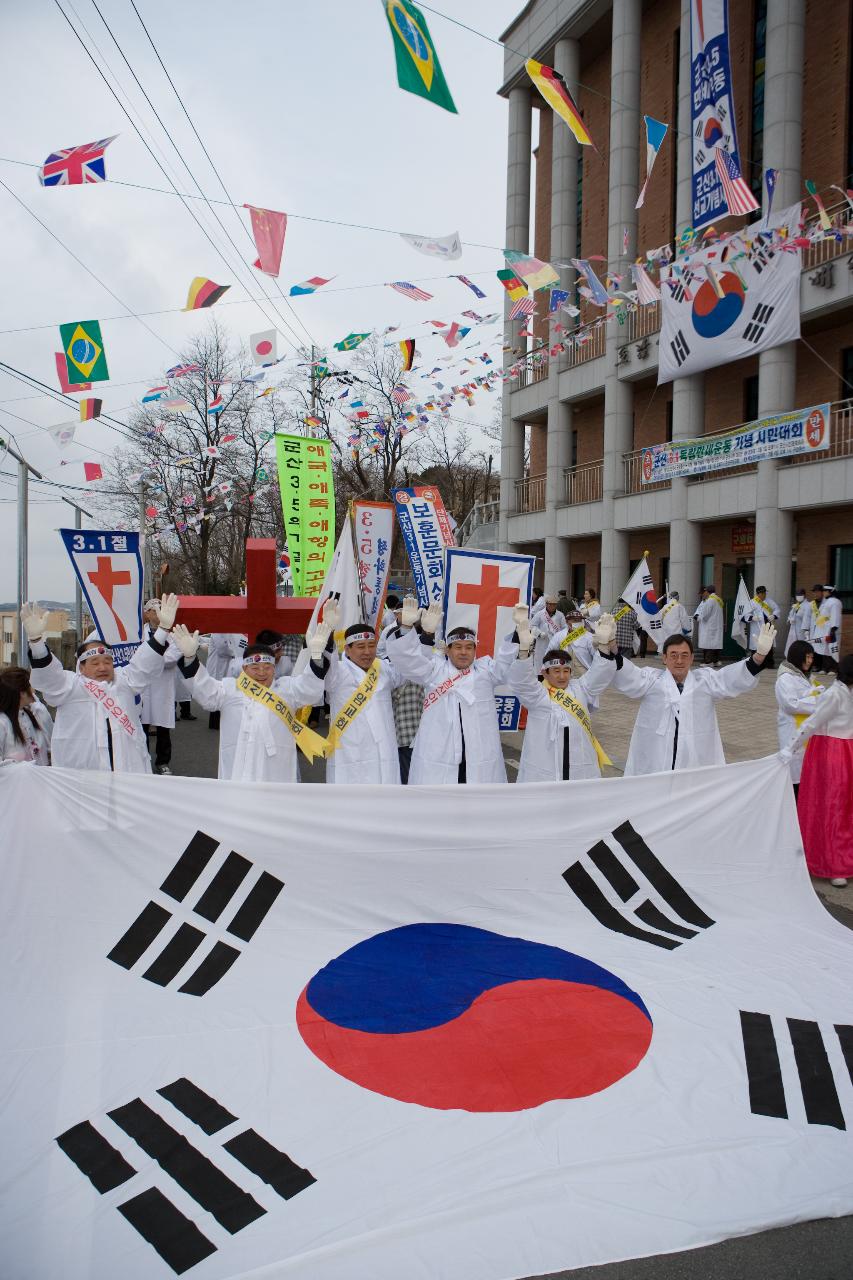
(574,427)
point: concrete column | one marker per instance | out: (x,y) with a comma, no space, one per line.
(688,394)
(517,237)
(623,177)
(777,369)
(564,194)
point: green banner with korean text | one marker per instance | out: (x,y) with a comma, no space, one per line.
(308,506)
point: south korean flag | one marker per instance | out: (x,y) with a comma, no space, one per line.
(714,312)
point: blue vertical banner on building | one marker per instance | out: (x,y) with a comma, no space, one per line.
(712,111)
(108,567)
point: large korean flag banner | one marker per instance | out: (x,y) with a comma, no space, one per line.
(759,307)
(482,590)
(249,1049)
(108,567)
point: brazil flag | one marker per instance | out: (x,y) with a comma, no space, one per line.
(84,351)
(418,68)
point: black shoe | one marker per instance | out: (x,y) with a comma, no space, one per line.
(190,717)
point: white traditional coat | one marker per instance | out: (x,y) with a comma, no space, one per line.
(828,615)
(709,615)
(546,627)
(254,744)
(591,611)
(80,739)
(467,707)
(796,695)
(542,751)
(768,611)
(675,620)
(35,749)
(663,707)
(799,622)
(158,697)
(368,747)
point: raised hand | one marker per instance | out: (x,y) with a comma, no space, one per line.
(604,631)
(34,619)
(318,641)
(431,617)
(168,611)
(332,616)
(410,613)
(186,640)
(766,636)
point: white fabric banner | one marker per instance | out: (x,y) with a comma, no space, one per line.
(373,525)
(272,1043)
(447,247)
(759,309)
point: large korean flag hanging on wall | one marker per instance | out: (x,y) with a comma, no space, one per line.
(268,1042)
(759,307)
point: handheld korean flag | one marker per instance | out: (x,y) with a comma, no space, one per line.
(108,567)
(640,594)
(742,610)
(418,68)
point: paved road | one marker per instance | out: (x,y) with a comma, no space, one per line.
(820,1250)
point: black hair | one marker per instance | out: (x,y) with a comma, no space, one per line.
(87,644)
(592,591)
(797,653)
(268,637)
(252,649)
(845,670)
(392,602)
(356,629)
(673,640)
(557,653)
(818,586)
(757,589)
(710,587)
(13,682)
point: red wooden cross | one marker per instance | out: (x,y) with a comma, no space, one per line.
(488,595)
(259,609)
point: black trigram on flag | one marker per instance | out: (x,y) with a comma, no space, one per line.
(814,1069)
(754,331)
(210,1179)
(627,918)
(679,286)
(169,939)
(679,348)
(761,257)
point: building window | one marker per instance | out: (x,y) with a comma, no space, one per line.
(750,398)
(707,571)
(841,573)
(756,151)
(578,580)
(668,421)
(847,368)
(7,637)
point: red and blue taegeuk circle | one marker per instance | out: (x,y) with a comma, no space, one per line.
(713,132)
(713,315)
(452,1017)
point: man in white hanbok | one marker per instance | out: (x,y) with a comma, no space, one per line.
(826,628)
(675,620)
(799,620)
(710,617)
(256,744)
(158,697)
(458,739)
(97,717)
(546,623)
(558,742)
(764,610)
(676,726)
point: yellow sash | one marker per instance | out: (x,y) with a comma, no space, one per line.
(620,613)
(308,742)
(765,606)
(572,636)
(564,699)
(801,719)
(356,704)
(716,599)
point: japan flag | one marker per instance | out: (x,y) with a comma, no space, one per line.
(264,347)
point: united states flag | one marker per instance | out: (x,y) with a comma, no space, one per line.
(411,291)
(74,166)
(400,395)
(739,198)
(524,307)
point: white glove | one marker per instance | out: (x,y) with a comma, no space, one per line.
(168,610)
(766,636)
(431,617)
(186,640)
(34,619)
(604,632)
(520,616)
(331,615)
(410,612)
(318,641)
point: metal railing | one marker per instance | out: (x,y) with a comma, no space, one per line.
(840,446)
(583,483)
(532,373)
(641,323)
(530,494)
(481,513)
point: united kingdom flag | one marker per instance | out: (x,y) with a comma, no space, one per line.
(74,166)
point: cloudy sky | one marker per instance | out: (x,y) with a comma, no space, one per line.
(299,108)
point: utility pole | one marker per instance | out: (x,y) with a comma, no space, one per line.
(143,543)
(314,391)
(79,512)
(24,469)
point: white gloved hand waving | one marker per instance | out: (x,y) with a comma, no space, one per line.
(410,613)
(604,632)
(318,641)
(766,636)
(168,611)
(34,619)
(331,615)
(186,640)
(431,617)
